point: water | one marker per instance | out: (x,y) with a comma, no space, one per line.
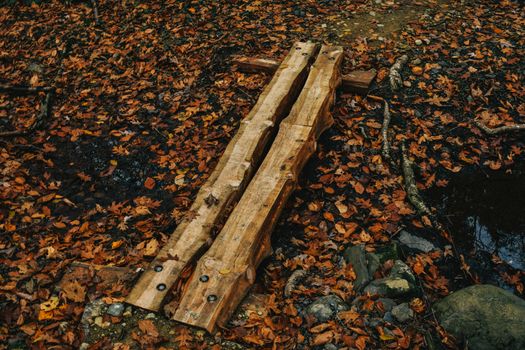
(486,213)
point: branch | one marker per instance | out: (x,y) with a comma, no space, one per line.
(499,130)
(44,114)
(24,89)
(395,76)
(384,133)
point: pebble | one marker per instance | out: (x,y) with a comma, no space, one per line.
(150,316)
(115,309)
(418,42)
(402,312)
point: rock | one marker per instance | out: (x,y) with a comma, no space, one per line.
(330,346)
(389,286)
(84,346)
(402,312)
(128,312)
(388,303)
(99,321)
(150,316)
(401,270)
(388,252)
(415,62)
(373,263)
(415,242)
(418,42)
(487,317)
(388,317)
(115,309)
(325,308)
(356,257)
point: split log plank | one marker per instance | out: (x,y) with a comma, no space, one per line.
(227,182)
(358,81)
(224,274)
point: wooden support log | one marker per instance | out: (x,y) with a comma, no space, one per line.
(227,182)
(358,81)
(224,274)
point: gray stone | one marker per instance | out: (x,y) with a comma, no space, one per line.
(415,242)
(388,303)
(356,257)
(388,252)
(330,346)
(388,317)
(373,263)
(115,309)
(487,317)
(389,286)
(325,308)
(402,312)
(401,270)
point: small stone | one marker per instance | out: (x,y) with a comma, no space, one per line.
(416,61)
(99,321)
(128,312)
(150,316)
(330,346)
(402,270)
(388,303)
(415,242)
(418,42)
(83,346)
(402,312)
(390,286)
(356,257)
(388,317)
(115,309)
(324,308)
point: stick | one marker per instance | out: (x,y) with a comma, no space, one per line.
(44,114)
(95,10)
(499,130)
(24,89)
(384,132)
(395,76)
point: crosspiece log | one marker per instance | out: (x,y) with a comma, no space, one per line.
(358,81)
(227,182)
(224,274)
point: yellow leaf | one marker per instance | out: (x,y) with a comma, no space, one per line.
(49,305)
(386,337)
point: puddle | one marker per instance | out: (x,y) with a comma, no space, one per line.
(486,214)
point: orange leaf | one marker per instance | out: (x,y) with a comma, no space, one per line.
(149,183)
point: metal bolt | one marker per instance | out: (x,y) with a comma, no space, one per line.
(158,268)
(161,286)
(204,278)
(212,298)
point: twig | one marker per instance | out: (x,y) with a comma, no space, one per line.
(499,130)
(384,133)
(24,89)
(95,10)
(395,76)
(44,114)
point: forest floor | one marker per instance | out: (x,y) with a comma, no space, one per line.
(147,99)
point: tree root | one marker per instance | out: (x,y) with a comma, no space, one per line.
(499,130)
(45,108)
(412,191)
(385,151)
(395,76)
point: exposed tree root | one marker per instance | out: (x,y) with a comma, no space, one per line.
(410,186)
(385,151)
(45,107)
(395,76)
(499,130)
